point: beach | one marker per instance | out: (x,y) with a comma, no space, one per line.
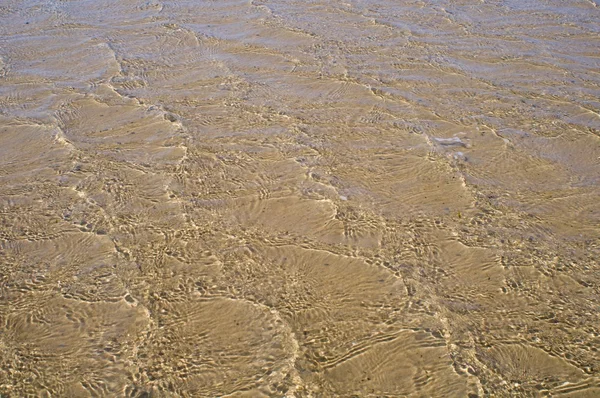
(256,198)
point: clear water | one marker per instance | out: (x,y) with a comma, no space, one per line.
(299,198)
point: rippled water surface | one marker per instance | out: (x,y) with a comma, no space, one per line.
(299,198)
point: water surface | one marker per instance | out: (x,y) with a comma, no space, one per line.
(299,198)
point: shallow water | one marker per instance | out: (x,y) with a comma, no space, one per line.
(299,198)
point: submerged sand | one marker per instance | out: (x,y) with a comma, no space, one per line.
(299,198)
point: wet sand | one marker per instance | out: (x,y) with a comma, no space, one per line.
(299,198)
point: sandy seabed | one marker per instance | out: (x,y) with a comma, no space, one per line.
(370,198)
